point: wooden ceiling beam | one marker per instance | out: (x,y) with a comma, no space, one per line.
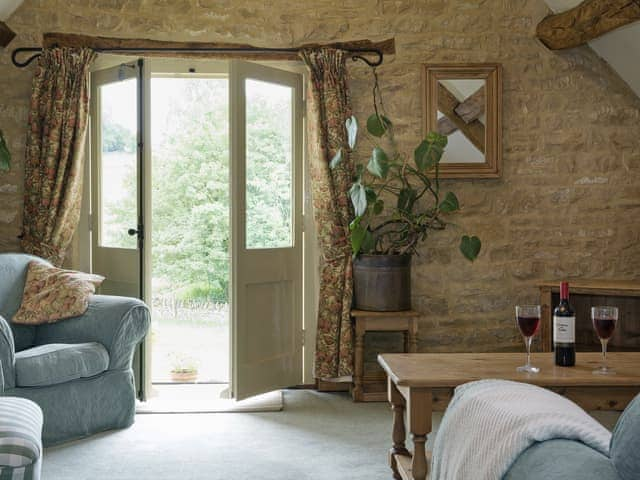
(6,34)
(250,52)
(585,22)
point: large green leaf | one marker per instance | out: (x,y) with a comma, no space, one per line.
(450,203)
(470,247)
(378,207)
(406,199)
(352,131)
(426,155)
(377,125)
(5,155)
(336,160)
(358,234)
(436,138)
(378,163)
(372,196)
(368,243)
(358,196)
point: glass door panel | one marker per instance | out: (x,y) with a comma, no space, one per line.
(118,165)
(269,157)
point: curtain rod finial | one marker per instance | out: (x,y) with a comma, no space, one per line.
(14,56)
(374,63)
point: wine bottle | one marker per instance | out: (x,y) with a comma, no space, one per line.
(564,330)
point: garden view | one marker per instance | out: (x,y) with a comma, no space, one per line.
(190,217)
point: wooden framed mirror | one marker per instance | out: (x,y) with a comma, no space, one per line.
(464,102)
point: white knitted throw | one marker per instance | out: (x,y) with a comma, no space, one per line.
(489,423)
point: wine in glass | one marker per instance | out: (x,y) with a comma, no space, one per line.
(604,322)
(528,319)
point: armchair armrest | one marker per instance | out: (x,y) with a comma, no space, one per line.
(118,323)
(7,356)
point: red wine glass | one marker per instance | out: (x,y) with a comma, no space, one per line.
(604,322)
(528,320)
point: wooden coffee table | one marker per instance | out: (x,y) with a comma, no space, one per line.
(420,383)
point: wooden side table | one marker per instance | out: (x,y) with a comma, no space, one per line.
(373,387)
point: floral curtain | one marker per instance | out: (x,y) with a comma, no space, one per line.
(328,108)
(55,150)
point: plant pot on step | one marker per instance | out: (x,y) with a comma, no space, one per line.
(184,376)
(382,283)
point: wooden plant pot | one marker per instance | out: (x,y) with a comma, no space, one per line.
(382,283)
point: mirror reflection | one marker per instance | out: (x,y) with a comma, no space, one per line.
(461,117)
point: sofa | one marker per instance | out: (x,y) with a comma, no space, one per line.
(78,370)
(569,459)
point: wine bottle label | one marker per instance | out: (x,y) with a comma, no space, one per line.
(564,329)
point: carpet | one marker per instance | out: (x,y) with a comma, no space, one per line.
(318,436)
(205,398)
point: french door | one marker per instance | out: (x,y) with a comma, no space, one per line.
(266,224)
(117,188)
(266,262)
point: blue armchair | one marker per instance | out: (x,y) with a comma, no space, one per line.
(77,370)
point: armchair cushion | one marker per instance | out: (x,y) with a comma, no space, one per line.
(59,363)
(117,323)
(51,294)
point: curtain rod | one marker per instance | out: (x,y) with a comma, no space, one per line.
(357,52)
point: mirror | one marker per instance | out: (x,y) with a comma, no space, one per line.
(463,102)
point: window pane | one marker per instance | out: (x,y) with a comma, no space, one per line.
(269,165)
(118,164)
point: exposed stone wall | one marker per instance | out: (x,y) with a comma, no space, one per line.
(567,206)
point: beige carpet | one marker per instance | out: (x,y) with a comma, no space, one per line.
(205,398)
(319,436)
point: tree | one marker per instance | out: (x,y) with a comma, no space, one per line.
(191,187)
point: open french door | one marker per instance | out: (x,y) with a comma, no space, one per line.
(117,161)
(266,300)
(266,229)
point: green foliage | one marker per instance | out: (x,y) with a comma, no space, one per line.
(201,291)
(377,125)
(379,163)
(116,138)
(191,191)
(470,247)
(352,131)
(182,363)
(5,155)
(418,207)
(450,203)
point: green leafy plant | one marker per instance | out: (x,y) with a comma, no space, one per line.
(397,199)
(5,155)
(181,363)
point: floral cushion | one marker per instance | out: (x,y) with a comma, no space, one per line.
(52,294)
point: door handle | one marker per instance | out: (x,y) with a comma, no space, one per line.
(139,231)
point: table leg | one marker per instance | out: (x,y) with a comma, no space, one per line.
(358,364)
(413,336)
(419,410)
(399,434)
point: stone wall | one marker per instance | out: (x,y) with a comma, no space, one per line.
(567,206)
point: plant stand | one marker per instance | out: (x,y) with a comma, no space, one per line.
(372,387)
